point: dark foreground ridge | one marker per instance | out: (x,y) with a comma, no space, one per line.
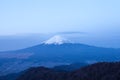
(98,71)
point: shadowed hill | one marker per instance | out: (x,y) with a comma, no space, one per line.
(98,71)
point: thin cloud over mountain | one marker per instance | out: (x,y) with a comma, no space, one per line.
(71,32)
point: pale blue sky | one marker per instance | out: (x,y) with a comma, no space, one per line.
(44,16)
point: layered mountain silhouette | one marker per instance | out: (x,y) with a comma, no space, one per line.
(98,71)
(55,51)
(61,68)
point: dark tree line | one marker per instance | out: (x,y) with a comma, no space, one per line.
(98,71)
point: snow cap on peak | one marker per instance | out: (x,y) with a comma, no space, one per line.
(57,39)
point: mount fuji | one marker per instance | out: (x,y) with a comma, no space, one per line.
(54,51)
(57,39)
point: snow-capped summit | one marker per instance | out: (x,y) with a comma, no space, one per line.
(57,39)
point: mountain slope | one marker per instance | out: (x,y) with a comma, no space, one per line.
(70,52)
(54,54)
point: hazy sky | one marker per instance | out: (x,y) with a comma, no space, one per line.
(44,16)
